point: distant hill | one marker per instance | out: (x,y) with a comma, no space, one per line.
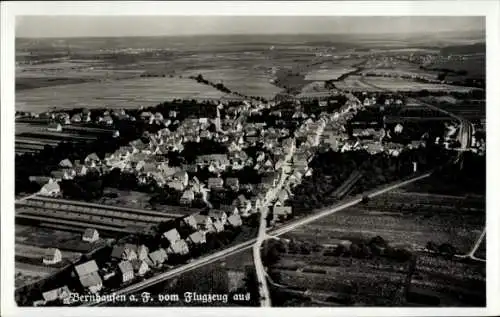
(464,49)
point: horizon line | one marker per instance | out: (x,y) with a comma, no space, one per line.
(256,34)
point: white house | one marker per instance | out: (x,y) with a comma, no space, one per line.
(90,235)
(50,189)
(52,256)
(126,271)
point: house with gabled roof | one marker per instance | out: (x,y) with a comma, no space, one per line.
(190,222)
(243,204)
(76,118)
(281,198)
(176,184)
(233,183)
(124,252)
(215,183)
(54,127)
(181,176)
(218,215)
(142,251)
(60,293)
(234,221)
(203,222)
(66,163)
(180,247)
(89,276)
(52,256)
(218,226)
(126,271)
(50,189)
(90,235)
(172,235)
(197,238)
(187,197)
(229,209)
(141,267)
(158,257)
(281,213)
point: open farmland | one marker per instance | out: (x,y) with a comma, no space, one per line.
(354,83)
(31,243)
(240,80)
(399,84)
(32,136)
(328,73)
(130,93)
(404,219)
(69,242)
(140,200)
(28,274)
(474,111)
(338,281)
(315,89)
(111,220)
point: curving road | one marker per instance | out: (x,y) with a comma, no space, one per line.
(248,244)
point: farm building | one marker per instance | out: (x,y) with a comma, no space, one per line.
(126,271)
(52,256)
(55,127)
(180,247)
(89,277)
(56,294)
(50,189)
(158,257)
(172,235)
(90,235)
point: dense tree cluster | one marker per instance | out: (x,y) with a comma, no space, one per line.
(218,86)
(332,168)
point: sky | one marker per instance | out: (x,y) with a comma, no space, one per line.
(116,26)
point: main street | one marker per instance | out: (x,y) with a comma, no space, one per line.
(271,233)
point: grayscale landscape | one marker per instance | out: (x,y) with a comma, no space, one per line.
(286,170)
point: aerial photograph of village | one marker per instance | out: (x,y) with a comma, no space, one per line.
(274,161)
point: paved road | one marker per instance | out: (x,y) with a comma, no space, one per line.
(26,197)
(248,244)
(474,248)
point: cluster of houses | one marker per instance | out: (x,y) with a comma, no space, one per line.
(130,261)
(281,162)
